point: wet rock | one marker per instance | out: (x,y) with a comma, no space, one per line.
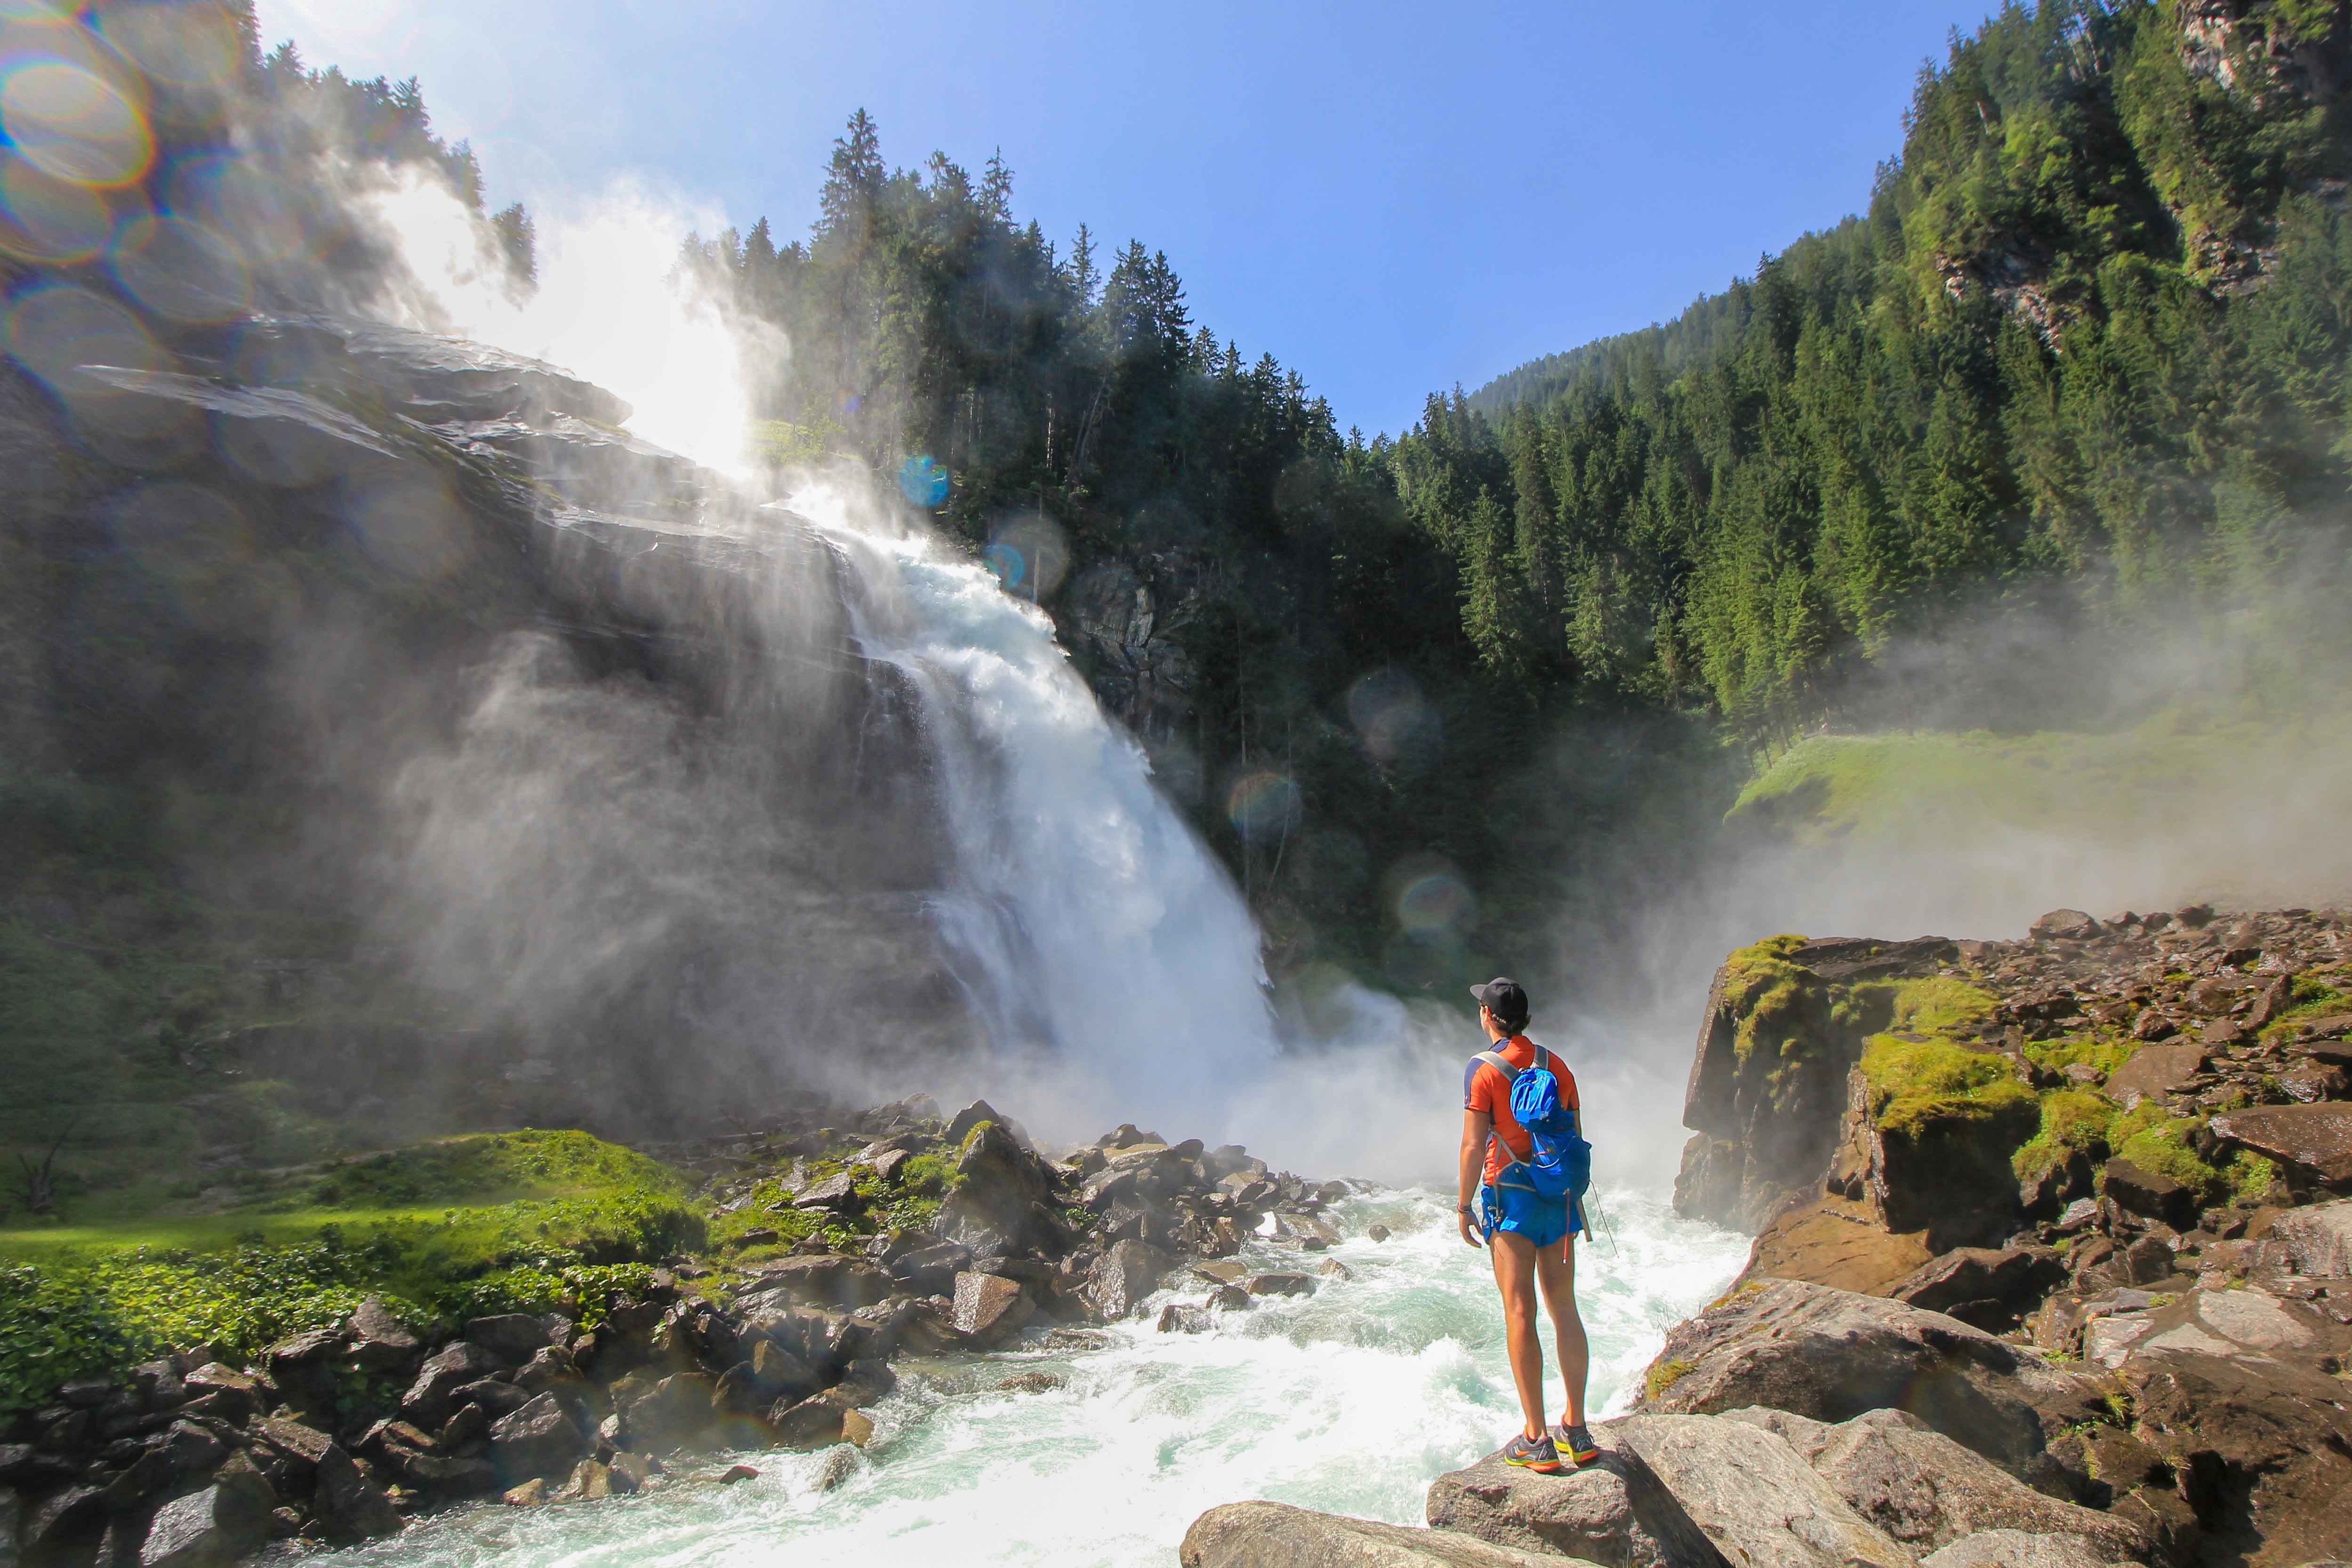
(1276,1535)
(513,1337)
(1281,1285)
(989,1309)
(674,1412)
(931,1270)
(826,1278)
(1833,1240)
(1833,1354)
(2146,1193)
(1031,1382)
(379,1341)
(817,1422)
(540,1439)
(1123,1277)
(2316,1140)
(350,1505)
(1178,1317)
(53,1525)
(1926,1490)
(1378,1233)
(428,1401)
(2263,1449)
(191,1448)
(530,1494)
(213,1527)
(302,1446)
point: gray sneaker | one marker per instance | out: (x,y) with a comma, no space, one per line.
(1532,1453)
(1573,1444)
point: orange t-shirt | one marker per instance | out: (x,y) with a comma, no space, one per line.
(1483,1087)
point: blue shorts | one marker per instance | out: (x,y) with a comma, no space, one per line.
(1545,1222)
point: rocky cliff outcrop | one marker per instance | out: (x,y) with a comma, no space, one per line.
(2089,1187)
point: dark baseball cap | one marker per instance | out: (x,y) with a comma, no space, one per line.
(1504,999)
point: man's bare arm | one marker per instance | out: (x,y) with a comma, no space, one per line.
(1477,1126)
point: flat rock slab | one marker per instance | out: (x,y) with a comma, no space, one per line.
(2318,1138)
(1834,1242)
(1754,1496)
(1274,1535)
(1926,1491)
(2316,1241)
(2155,1071)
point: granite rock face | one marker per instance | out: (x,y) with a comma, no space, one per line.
(1274,1535)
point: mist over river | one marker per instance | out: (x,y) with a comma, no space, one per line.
(1351,1400)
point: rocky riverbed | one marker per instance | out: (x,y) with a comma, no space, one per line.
(344,1434)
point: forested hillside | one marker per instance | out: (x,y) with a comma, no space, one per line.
(2085,354)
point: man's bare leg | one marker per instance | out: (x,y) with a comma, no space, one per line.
(1556,1268)
(1515,1273)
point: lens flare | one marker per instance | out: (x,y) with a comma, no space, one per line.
(1429,897)
(52,330)
(188,43)
(1029,555)
(922,481)
(1263,806)
(231,197)
(48,221)
(195,547)
(74,124)
(180,269)
(1398,726)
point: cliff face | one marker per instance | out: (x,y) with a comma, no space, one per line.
(467,749)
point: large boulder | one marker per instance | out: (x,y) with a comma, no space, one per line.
(2155,1071)
(1989,1288)
(2314,1141)
(1767,1087)
(999,1207)
(1927,1491)
(429,1399)
(1834,1354)
(2263,1449)
(213,1527)
(989,1308)
(1276,1535)
(541,1440)
(1613,1511)
(1752,1495)
(1123,1277)
(349,1505)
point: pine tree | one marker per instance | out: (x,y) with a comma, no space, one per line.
(996,189)
(853,181)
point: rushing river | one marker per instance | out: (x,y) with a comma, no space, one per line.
(1351,1400)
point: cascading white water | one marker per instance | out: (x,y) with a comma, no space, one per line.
(1113,961)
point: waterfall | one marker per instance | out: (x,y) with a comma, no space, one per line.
(1107,954)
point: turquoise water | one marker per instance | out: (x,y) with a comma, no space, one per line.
(1351,1400)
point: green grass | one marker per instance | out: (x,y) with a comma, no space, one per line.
(2107,788)
(454,1229)
(2103,1049)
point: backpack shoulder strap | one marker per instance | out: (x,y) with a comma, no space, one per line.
(1495,1059)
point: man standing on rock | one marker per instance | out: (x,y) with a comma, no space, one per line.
(1530,1238)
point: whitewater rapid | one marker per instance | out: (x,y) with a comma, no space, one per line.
(1352,1401)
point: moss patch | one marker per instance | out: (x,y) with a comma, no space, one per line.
(1932,1004)
(1664,1376)
(1918,1085)
(2073,1120)
(2308,997)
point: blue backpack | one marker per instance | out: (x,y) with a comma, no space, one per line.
(1559,1164)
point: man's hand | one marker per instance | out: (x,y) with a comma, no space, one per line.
(1469,1233)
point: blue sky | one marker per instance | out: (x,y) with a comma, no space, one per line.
(1392,198)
